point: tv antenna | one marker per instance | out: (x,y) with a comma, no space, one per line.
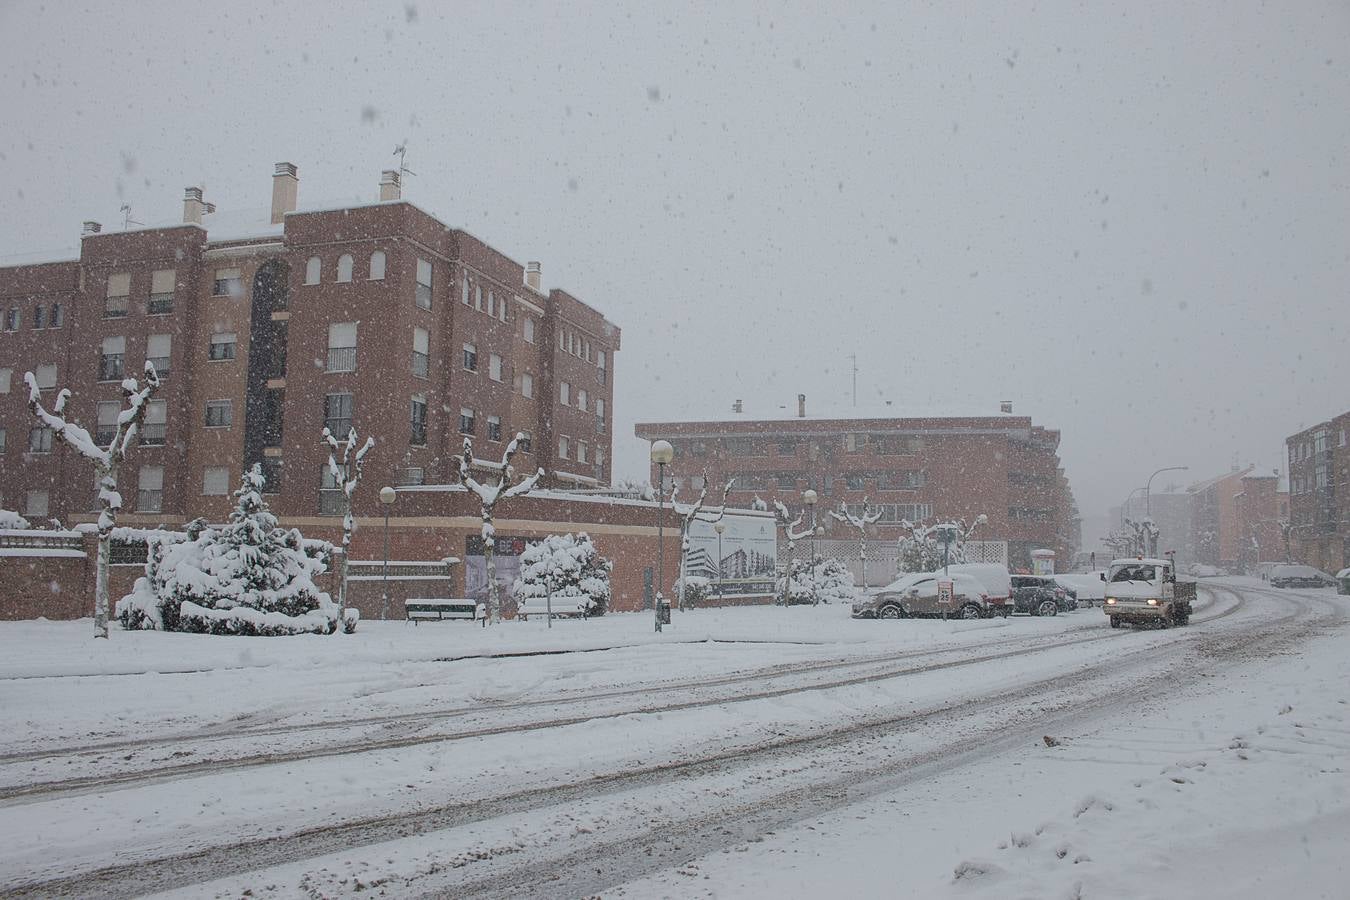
(401,151)
(854,358)
(127,220)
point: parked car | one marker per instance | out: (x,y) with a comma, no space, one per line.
(1086,589)
(1299,577)
(996,580)
(1039,596)
(1343,581)
(916,594)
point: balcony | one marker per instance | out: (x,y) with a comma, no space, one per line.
(160,304)
(110,367)
(152,434)
(104,435)
(341,359)
(115,308)
(330,503)
(421,364)
(338,426)
(149,501)
(161,364)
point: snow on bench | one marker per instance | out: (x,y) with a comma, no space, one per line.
(436,609)
(562,606)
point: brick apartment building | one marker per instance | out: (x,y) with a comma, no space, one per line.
(1319,494)
(379,317)
(1235,518)
(916,469)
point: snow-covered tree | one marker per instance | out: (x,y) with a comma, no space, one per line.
(689,516)
(565,565)
(346,474)
(247,577)
(819,581)
(106,460)
(789,525)
(921,551)
(1145,536)
(488,497)
(861,522)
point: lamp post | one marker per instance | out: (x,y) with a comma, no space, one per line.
(809,497)
(1148,494)
(662,454)
(815,587)
(387,497)
(719,527)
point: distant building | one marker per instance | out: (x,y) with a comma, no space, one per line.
(1319,494)
(908,468)
(1235,519)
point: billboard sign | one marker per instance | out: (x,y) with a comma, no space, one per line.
(747,566)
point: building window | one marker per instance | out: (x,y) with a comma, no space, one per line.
(57,317)
(855,481)
(470,358)
(478,297)
(581,451)
(342,347)
(150,489)
(501,310)
(377,266)
(466,421)
(494,367)
(5,376)
(313,270)
(35,504)
(344,273)
(494,432)
(525,442)
(528,329)
(411,475)
(854,442)
(228,283)
(39,440)
(2,440)
(330,492)
(581,400)
(215,481)
(421,352)
(219,413)
(158,349)
(744,447)
(106,416)
(110,364)
(563,448)
(492,303)
(419,421)
(599,460)
(565,394)
(423,295)
(464,290)
(223,345)
(12,319)
(600,414)
(600,366)
(337,414)
(155,425)
(162,282)
(527,385)
(40,317)
(901,481)
(119,293)
(46,375)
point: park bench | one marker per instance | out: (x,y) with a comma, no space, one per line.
(562,606)
(435,609)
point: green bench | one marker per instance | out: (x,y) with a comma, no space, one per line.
(435,610)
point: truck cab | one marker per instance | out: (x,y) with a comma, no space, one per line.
(1145,590)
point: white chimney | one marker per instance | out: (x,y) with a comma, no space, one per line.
(285,189)
(801,406)
(533,274)
(91,227)
(391,185)
(1005,406)
(737,407)
(193,207)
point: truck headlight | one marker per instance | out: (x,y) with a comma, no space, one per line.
(1110,601)
(1152,601)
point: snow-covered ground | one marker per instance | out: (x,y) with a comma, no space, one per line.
(746,751)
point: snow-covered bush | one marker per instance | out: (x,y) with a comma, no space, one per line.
(565,565)
(247,577)
(830,578)
(697,590)
(10,519)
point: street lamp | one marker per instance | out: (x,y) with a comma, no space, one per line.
(719,527)
(387,496)
(662,454)
(809,497)
(1148,495)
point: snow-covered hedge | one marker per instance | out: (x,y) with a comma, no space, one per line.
(565,565)
(831,579)
(12,520)
(697,590)
(248,577)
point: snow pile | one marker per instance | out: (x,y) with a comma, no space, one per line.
(12,520)
(829,578)
(248,577)
(565,565)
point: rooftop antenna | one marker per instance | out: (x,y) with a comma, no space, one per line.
(854,358)
(401,151)
(127,220)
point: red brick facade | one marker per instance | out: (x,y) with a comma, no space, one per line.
(1319,494)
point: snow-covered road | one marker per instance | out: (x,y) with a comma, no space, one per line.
(439,761)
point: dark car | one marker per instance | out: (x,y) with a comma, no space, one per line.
(1292,576)
(1039,596)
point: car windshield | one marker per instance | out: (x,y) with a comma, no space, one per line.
(1140,572)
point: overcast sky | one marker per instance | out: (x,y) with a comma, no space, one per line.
(1132,220)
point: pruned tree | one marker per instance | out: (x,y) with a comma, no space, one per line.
(346,474)
(920,550)
(785,521)
(692,515)
(488,497)
(1145,536)
(1286,534)
(859,522)
(107,460)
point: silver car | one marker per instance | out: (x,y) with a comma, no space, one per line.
(917,595)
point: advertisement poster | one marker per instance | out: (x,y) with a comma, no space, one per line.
(748,559)
(506,558)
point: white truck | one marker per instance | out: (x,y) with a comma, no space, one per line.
(1145,590)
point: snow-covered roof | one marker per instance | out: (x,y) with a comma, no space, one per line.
(40,257)
(899,409)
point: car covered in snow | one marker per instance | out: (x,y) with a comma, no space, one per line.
(1086,589)
(996,580)
(1038,595)
(1294,576)
(918,594)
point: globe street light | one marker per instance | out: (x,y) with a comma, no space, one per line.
(809,497)
(662,454)
(719,527)
(387,496)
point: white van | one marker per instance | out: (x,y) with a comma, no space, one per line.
(996,580)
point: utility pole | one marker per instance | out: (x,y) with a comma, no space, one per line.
(854,358)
